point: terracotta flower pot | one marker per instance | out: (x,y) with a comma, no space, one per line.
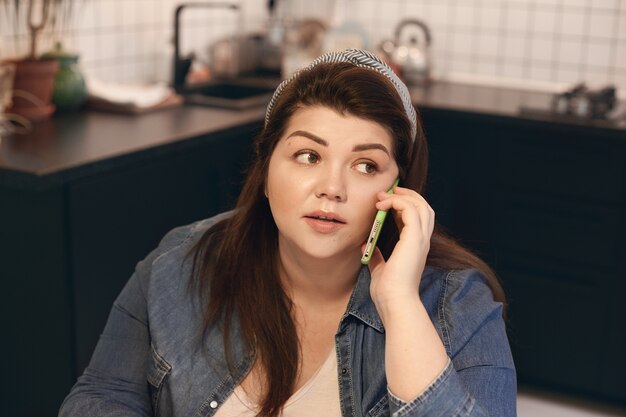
(32,88)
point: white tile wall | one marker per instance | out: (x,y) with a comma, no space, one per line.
(544,20)
(517,19)
(571,22)
(553,42)
(602,24)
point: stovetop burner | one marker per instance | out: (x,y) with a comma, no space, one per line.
(580,101)
(581,104)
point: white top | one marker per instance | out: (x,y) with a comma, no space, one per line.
(318,397)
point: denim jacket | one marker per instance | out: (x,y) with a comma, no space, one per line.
(152,359)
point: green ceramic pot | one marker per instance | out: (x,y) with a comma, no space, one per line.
(70,90)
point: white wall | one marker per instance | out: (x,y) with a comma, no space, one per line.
(535,43)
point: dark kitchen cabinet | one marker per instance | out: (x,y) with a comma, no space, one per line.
(117,218)
(545,205)
(68,248)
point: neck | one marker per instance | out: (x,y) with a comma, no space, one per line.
(318,281)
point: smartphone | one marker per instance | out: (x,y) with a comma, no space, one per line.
(379,220)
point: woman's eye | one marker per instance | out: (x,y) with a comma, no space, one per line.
(307,158)
(366,167)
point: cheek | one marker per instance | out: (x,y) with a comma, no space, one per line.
(272,180)
(365,198)
(285,183)
(365,207)
(279,188)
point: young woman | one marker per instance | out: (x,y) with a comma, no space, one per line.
(268,311)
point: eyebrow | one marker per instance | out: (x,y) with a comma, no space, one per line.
(357,148)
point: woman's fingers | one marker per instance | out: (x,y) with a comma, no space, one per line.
(400,275)
(409,208)
(376,261)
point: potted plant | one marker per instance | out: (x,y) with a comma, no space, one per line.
(35,75)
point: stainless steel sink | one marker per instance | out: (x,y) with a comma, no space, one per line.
(229,94)
(248,88)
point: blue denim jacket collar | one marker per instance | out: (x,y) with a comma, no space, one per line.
(361,305)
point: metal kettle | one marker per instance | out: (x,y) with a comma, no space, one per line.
(412,57)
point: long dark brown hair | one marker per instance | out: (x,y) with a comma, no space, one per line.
(243,248)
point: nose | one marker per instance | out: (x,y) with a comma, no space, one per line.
(331,185)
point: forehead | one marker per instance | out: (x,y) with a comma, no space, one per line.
(338,128)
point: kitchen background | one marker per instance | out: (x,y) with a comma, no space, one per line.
(530,44)
(543,44)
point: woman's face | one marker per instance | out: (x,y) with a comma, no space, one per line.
(322,182)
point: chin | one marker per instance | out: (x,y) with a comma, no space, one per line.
(328,253)
(324,250)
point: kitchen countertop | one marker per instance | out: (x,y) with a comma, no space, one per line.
(74,144)
(81,143)
(507,102)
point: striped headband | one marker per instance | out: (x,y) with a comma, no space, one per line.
(363,59)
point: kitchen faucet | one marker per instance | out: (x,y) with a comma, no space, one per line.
(182,65)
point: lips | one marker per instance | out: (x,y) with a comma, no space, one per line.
(326,216)
(324,222)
